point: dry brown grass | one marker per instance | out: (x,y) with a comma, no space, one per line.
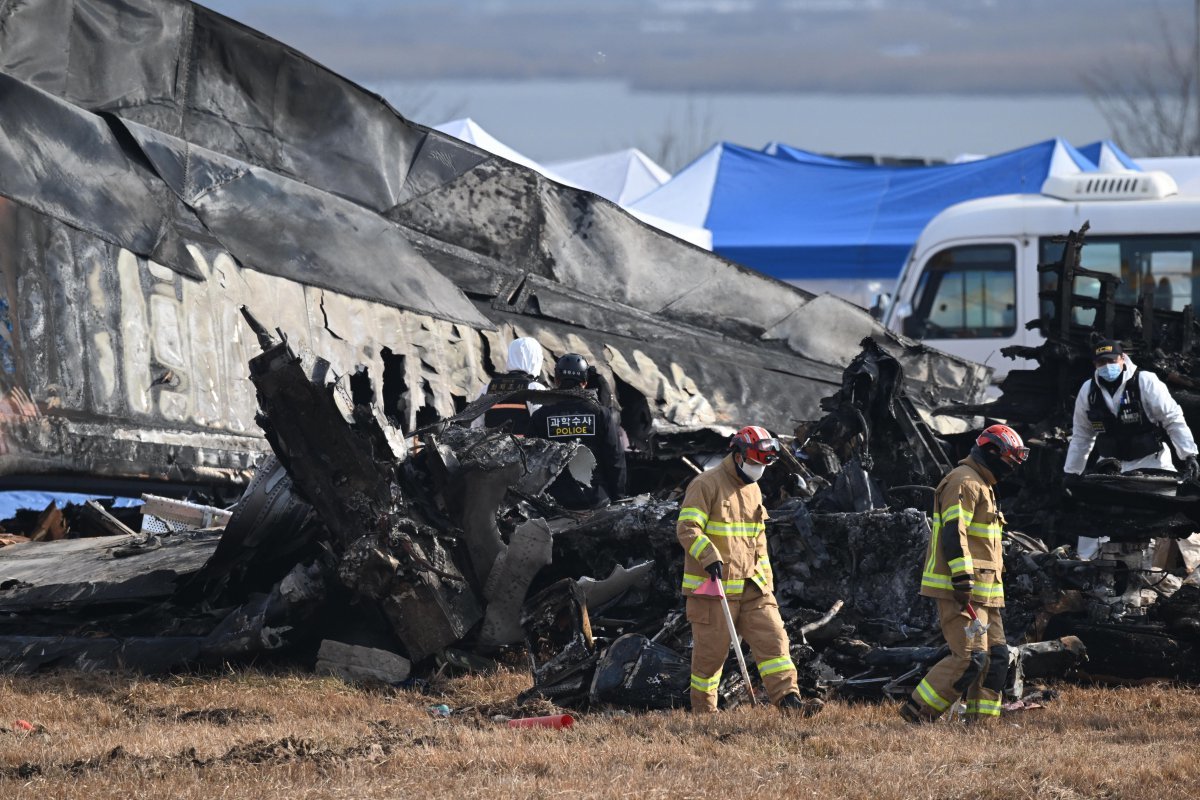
(298,736)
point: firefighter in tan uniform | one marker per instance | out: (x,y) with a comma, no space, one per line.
(963,566)
(722,528)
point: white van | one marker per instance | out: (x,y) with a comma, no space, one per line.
(971,282)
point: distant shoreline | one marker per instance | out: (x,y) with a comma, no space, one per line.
(549,120)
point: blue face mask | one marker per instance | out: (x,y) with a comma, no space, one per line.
(1109,372)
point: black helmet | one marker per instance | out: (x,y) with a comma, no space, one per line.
(571,368)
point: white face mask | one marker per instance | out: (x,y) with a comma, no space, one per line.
(753,471)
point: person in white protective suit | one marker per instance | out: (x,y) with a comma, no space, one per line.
(524,367)
(1127,414)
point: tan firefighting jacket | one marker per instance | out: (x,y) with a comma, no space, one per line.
(723,519)
(966,538)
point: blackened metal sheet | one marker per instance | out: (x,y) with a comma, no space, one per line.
(192,73)
(287,228)
(75,573)
(68,164)
(692,378)
(219,85)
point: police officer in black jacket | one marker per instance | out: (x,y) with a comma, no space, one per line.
(583,419)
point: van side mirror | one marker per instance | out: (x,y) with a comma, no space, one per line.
(879,308)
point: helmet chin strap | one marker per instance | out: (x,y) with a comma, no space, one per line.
(996,465)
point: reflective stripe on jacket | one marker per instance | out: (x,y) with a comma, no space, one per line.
(966,540)
(723,519)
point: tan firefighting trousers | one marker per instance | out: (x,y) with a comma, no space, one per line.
(978,667)
(756,618)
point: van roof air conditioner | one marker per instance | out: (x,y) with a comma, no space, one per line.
(1110,186)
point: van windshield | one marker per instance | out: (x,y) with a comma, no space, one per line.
(1166,266)
(966,292)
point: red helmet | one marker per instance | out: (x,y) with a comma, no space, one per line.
(756,444)
(1006,442)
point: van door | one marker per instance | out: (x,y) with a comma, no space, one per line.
(965,301)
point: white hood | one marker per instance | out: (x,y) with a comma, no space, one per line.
(525,354)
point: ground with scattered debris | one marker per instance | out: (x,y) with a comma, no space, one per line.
(298,736)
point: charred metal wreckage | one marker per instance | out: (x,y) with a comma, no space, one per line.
(165,167)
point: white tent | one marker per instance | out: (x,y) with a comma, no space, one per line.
(1185,171)
(468,130)
(622,177)
(471,132)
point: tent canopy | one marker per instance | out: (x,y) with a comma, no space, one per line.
(469,131)
(622,177)
(796,215)
(1108,157)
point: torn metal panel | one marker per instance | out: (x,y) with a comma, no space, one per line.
(931,377)
(343,462)
(558,634)
(75,573)
(527,552)
(264,621)
(618,586)
(356,663)
(25,655)
(270,524)
(474,471)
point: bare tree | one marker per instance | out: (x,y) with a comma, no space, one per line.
(1153,105)
(684,136)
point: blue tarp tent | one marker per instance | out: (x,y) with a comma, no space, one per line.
(802,217)
(1108,157)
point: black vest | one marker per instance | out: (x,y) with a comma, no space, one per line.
(1129,434)
(515,414)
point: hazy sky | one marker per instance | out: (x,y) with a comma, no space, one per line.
(685,72)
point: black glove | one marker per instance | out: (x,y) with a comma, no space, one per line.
(714,569)
(1191,469)
(962,588)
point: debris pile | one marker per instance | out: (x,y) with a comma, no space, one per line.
(378,555)
(376,535)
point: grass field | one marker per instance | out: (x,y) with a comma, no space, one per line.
(253,735)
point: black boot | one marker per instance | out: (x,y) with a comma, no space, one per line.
(794,704)
(912,712)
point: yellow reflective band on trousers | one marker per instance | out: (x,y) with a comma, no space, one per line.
(698,546)
(695,515)
(774,665)
(986,708)
(703,684)
(932,698)
(733,586)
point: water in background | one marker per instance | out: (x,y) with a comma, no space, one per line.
(551,120)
